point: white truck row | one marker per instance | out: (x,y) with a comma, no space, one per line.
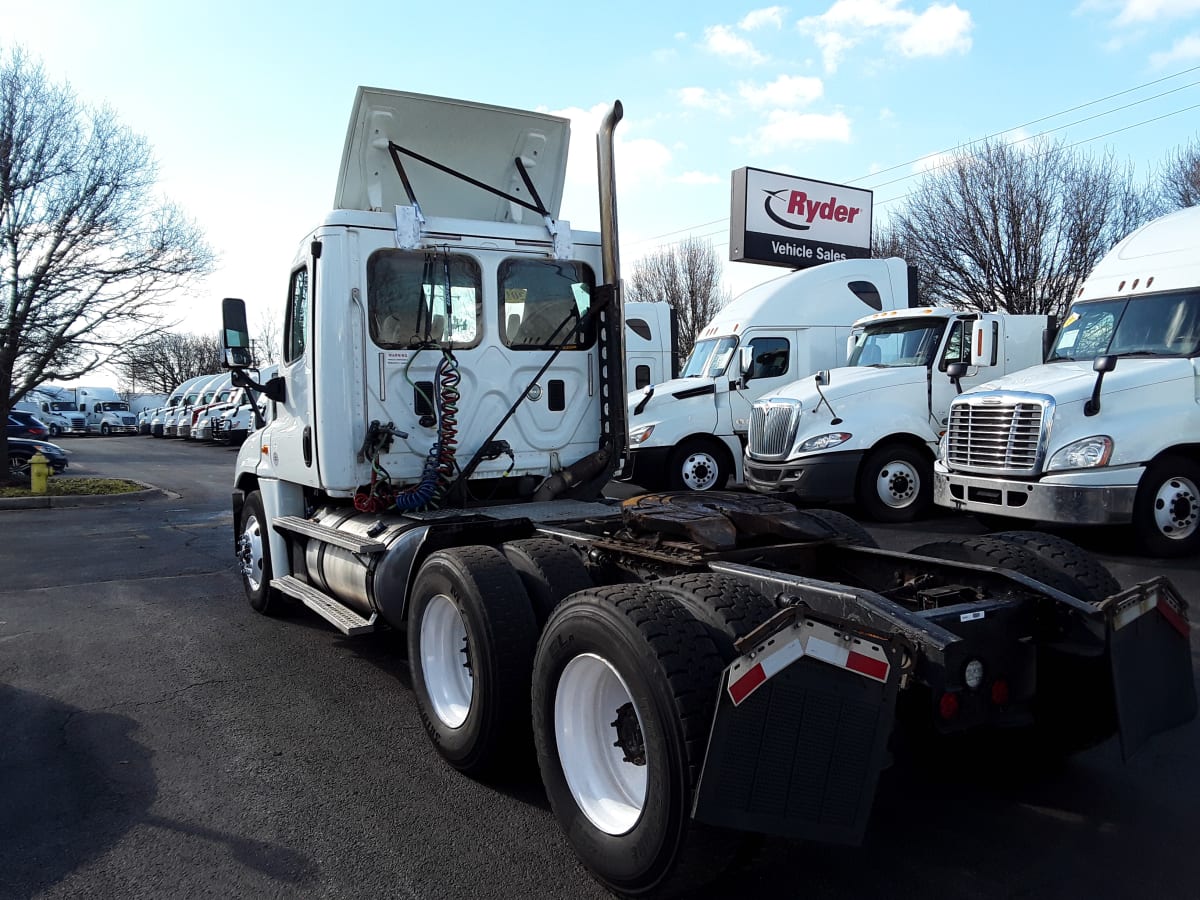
(688,668)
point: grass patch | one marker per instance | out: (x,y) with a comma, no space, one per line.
(75,487)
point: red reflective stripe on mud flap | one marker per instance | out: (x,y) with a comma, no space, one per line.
(1172,616)
(867,665)
(742,688)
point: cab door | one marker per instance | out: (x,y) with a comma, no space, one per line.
(293,438)
(771,368)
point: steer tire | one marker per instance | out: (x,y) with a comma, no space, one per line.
(629,662)
(1067,558)
(989,551)
(699,464)
(895,483)
(549,570)
(727,608)
(480,611)
(1166,509)
(254,552)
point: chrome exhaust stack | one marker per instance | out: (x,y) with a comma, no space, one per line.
(614,365)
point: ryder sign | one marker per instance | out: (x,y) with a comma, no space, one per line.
(796,222)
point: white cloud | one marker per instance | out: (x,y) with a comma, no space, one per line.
(786,129)
(784,91)
(771,16)
(703,98)
(720,40)
(699,178)
(1186,49)
(936,31)
(1133,12)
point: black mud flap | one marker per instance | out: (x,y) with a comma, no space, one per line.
(1149,643)
(800,733)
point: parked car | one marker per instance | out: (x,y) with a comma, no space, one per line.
(26,425)
(21,451)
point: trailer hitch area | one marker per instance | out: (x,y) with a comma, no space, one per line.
(801,730)
(715,519)
(1149,645)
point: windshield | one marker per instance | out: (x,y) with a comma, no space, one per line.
(1149,325)
(62,406)
(709,358)
(115,407)
(898,342)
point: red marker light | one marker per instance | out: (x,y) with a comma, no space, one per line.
(948,706)
(1000,692)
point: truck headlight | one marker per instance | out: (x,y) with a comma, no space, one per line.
(1086,453)
(639,434)
(824,441)
(943,445)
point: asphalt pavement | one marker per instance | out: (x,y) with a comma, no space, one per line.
(160,739)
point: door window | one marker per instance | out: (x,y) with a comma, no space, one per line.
(770,357)
(297,316)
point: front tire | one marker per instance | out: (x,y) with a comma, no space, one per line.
(471,640)
(699,465)
(623,690)
(1166,511)
(254,557)
(895,483)
(104,429)
(55,431)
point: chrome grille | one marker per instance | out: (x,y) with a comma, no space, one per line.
(998,434)
(128,420)
(773,428)
(78,421)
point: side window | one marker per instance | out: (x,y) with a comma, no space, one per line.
(639,327)
(543,304)
(641,377)
(958,349)
(297,316)
(418,299)
(770,357)
(867,293)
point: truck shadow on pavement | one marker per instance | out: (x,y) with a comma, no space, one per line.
(74,783)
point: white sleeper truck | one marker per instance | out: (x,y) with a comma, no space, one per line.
(867,433)
(688,668)
(1108,430)
(105,411)
(689,433)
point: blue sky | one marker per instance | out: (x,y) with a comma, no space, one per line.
(246,104)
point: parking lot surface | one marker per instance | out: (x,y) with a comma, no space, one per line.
(162,739)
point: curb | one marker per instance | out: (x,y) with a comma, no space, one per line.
(66,500)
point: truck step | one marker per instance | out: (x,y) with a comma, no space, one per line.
(344,619)
(344,539)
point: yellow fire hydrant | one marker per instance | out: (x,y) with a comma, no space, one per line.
(39,472)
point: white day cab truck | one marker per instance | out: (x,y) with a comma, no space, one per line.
(689,433)
(868,432)
(105,411)
(1108,430)
(687,668)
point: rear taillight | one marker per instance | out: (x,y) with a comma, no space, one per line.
(948,706)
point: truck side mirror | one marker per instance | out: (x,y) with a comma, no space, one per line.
(956,371)
(985,334)
(1100,365)
(235,335)
(822,378)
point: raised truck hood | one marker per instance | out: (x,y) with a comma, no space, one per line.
(476,139)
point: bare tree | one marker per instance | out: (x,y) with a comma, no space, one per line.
(268,345)
(1017,230)
(1179,178)
(88,256)
(167,360)
(688,276)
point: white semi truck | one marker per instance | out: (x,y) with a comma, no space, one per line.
(689,433)
(867,433)
(105,411)
(687,668)
(1108,430)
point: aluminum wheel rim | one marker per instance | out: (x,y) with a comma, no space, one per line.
(252,553)
(700,471)
(1177,509)
(898,484)
(19,465)
(445,661)
(608,790)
